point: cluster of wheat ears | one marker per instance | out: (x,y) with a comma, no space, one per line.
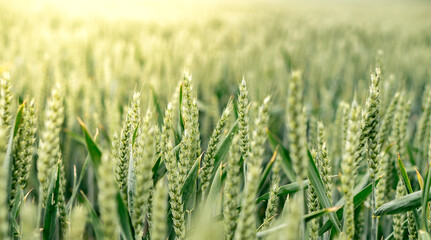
(156,181)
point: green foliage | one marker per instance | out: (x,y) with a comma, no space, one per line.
(92,167)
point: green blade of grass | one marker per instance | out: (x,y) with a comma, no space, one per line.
(409,188)
(316,181)
(404,176)
(78,184)
(214,190)
(267,169)
(420,179)
(410,153)
(124,218)
(92,148)
(190,181)
(286,164)
(159,170)
(75,137)
(9,160)
(18,119)
(401,205)
(223,149)
(319,213)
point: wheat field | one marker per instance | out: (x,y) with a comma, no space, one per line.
(215,120)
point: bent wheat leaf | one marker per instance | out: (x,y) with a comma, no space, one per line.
(401,205)
(285,190)
(320,213)
(92,148)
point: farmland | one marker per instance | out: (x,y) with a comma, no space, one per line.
(215,120)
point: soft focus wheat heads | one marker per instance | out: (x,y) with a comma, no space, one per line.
(152,180)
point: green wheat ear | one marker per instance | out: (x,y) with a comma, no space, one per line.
(158,226)
(4,209)
(61,203)
(411,226)
(348,169)
(124,145)
(190,144)
(243,119)
(398,219)
(371,130)
(27,139)
(341,115)
(296,126)
(372,126)
(145,154)
(107,198)
(323,161)
(247,221)
(191,117)
(23,148)
(422,135)
(272,206)
(398,137)
(232,189)
(176,203)
(5,100)
(49,147)
(345,110)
